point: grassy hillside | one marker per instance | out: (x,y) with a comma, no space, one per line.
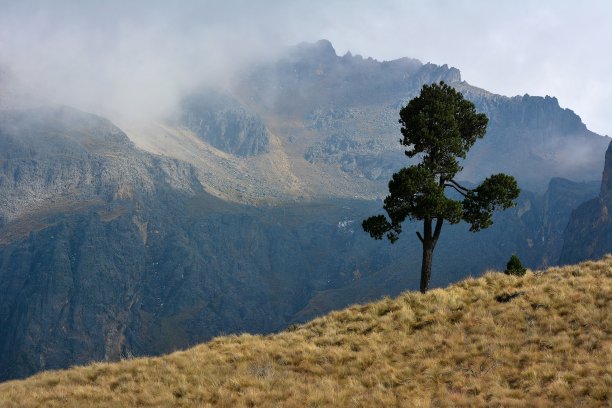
(540,340)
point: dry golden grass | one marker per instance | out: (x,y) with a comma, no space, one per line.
(549,346)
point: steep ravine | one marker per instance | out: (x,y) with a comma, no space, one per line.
(589,232)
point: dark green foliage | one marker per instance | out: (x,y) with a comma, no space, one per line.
(497,191)
(443,126)
(439,126)
(515,267)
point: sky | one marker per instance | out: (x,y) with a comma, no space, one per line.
(137,57)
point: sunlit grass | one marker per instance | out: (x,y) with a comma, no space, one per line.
(550,345)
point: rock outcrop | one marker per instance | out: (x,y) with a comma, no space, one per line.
(57,155)
(224,123)
(589,232)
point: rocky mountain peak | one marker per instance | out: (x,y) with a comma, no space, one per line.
(325,47)
(435,73)
(320,50)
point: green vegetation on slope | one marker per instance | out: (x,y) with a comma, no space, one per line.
(543,339)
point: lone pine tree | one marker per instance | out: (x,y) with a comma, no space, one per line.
(515,266)
(439,127)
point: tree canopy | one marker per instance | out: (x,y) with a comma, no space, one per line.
(439,127)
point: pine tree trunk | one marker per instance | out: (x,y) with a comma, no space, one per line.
(426,266)
(428,239)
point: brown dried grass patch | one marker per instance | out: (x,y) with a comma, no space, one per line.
(549,344)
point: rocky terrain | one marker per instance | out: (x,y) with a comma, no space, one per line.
(57,155)
(223,123)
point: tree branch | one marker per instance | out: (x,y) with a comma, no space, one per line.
(439,222)
(420,236)
(459,191)
(459,186)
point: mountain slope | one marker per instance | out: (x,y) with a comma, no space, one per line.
(540,340)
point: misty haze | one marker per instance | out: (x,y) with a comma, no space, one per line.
(171,173)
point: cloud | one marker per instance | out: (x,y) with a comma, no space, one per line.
(137,57)
(131,59)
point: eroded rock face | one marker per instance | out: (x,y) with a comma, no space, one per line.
(534,139)
(224,123)
(73,231)
(589,232)
(56,155)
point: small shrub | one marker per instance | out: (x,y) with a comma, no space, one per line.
(515,267)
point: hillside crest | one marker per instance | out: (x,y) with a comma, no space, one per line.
(540,340)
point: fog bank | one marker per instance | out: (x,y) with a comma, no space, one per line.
(136,58)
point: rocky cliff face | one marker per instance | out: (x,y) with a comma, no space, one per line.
(536,132)
(224,123)
(605,192)
(73,229)
(55,156)
(589,232)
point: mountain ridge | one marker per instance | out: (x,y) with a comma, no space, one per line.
(333,122)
